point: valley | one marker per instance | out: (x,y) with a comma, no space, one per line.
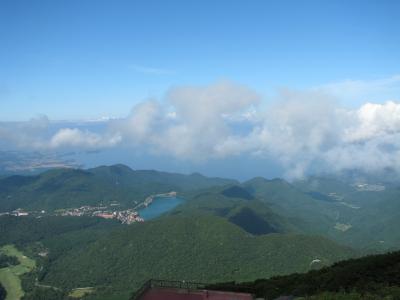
(149,224)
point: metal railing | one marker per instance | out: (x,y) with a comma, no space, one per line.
(173,284)
(188,285)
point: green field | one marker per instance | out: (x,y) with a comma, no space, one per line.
(80,292)
(10,276)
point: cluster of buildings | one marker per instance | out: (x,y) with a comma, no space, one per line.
(127,216)
(17,213)
(365,187)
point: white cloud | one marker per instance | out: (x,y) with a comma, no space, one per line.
(36,135)
(191,124)
(374,121)
(76,138)
(305,131)
(313,135)
(141,123)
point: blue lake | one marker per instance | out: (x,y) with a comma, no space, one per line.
(159,206)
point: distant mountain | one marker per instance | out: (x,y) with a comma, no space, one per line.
(237,192)
(305,212)
(358,215)
(237,206)
(324,185)
(65,188)
(224,231)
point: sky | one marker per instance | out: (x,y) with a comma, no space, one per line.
(203,81)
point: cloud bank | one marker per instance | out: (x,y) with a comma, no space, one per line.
(304,131)
(37,135)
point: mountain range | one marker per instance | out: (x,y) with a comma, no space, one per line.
(224,230)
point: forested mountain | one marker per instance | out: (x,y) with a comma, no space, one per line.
(44,240)
(27,230)
(370,277)
(116,259)
(361,215)
(324,206)
(193,247)
(238,206)
(223,231)
(65,188)
(307,213)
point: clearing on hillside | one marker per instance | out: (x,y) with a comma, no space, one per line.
(10,276)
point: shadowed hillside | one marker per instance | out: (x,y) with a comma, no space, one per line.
(370,277)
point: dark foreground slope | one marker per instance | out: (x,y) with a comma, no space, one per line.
(373,276)
(3,293)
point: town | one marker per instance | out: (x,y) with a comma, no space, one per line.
(127,216)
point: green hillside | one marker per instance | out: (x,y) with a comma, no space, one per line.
(116,259)
(364,219)
(65,188)
(322,206)
(370,277)
(237,206)
(27,230)
(224,231)
(196,248)
(45,240)
(307,213)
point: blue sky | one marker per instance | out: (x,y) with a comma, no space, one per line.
(228,88)
(86,59)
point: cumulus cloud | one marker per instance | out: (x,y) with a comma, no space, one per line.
(310,136)
(76,138)
(304,131)
(191,123)
(36,134)
(374,121)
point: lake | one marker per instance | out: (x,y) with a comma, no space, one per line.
(159,206)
